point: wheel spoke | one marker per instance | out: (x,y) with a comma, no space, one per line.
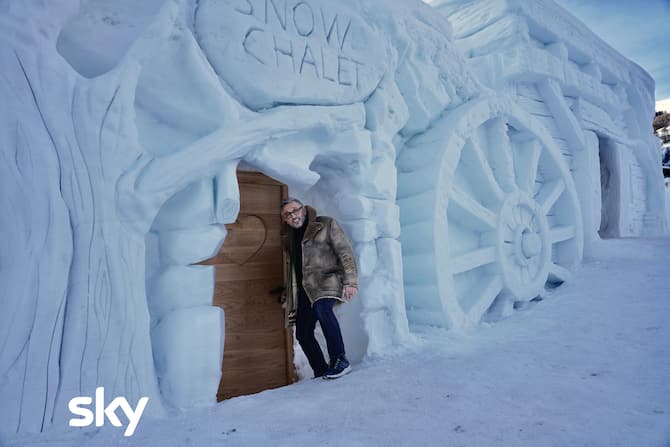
(527,162)
(527,217)
(472,208)
(550,193)
(483,300)
(500,151)
(519,216)
(509,249)
(558,273)
(562,233)
(536,264)
(474,150)
(473,259)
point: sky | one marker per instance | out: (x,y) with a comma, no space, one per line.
(640,30)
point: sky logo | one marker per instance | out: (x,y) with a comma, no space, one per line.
(77,406)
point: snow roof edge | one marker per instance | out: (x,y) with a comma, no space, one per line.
(575,33)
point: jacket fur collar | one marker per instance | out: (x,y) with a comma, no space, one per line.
(313,226)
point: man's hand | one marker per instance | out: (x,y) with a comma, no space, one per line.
(350,292)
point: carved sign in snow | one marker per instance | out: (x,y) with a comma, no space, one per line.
(290,51)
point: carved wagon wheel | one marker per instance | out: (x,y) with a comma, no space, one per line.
(488,210)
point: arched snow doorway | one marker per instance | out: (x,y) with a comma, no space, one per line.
(258,352)
(609,188)
(623,181)
(192,273)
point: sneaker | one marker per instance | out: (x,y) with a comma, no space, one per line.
(340,367)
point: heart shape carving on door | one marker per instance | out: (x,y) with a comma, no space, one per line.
(245,238)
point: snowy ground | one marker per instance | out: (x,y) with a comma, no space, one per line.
(587,366)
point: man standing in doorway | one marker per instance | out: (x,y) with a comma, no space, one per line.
(322,272)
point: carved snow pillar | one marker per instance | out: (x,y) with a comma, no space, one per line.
(587,181)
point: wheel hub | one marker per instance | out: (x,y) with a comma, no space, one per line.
(531,244)
(525,249)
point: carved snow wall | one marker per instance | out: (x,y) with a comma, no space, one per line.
(461,200)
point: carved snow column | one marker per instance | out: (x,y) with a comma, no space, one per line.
(372,219)
(184,324)
(587,182)
(612,190)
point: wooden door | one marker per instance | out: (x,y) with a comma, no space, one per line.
(258,351)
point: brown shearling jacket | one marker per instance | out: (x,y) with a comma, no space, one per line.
(328,262)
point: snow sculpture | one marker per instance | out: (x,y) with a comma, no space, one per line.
(595,103)
(325,45)
(86,170)
(489,212)
(123,126)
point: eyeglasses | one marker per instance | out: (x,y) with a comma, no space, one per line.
(289,214)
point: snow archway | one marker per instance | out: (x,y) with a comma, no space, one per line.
(187,332)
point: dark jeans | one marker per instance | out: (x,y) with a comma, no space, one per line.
(308,315)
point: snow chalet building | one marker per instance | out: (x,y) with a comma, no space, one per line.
(471,150)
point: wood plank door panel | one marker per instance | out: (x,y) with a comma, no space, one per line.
(258,352)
